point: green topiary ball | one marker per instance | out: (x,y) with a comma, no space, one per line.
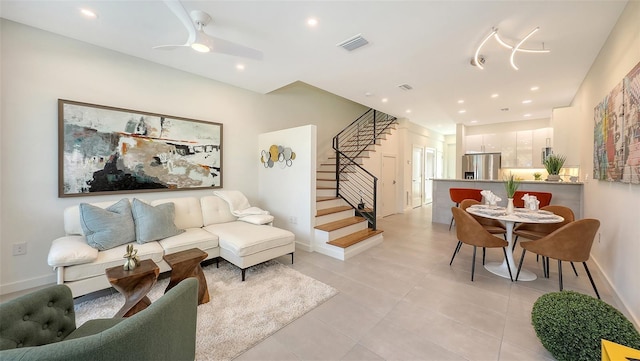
(570,325)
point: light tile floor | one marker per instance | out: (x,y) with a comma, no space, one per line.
(402,301)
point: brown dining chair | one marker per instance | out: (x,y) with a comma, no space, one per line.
(533,231)
(459,194)
(543,197)
(469,231)
(571,243)
(492,226)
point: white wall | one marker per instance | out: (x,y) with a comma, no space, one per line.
(289,192)
(616,205)
(38,67)
(413,135)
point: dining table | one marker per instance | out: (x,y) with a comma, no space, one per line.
(519,215)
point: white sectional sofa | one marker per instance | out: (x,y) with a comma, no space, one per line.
(208,225)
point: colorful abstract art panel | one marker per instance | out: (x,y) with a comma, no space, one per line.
(631,167)
(617,132)
(106,150)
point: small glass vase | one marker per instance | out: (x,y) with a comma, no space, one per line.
(510,206)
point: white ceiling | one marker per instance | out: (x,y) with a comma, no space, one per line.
(426,44)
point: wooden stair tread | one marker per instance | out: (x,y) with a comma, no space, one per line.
(325,187)
(346,222)
(326,198)
(324,212)
(353,238)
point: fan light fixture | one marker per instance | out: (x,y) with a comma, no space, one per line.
(478,59)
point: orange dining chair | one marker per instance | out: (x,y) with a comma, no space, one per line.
(543,197)
(492,226)
(533,231)
(469,231)
(459,194)
(571,243)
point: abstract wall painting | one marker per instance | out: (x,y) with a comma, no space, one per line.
(631,167)
(617,132)
(107,150)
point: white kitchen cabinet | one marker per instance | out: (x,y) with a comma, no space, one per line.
(519,149)
(524,148)
(508,150)
(473,144)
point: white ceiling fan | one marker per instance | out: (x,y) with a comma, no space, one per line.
(201,41)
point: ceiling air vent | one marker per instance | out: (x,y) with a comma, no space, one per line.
(405,87)
(353,43)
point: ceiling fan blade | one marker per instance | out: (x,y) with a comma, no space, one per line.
(181,13)
(218,45)
(170,47)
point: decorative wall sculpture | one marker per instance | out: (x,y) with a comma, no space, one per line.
(277,153)
(617,132)
(106,150)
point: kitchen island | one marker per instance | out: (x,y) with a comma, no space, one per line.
(566,194)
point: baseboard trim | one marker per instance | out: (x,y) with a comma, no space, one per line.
(634,318)
(27,284)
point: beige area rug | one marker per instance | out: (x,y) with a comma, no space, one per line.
(240,314)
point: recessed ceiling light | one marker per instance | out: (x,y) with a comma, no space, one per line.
(240,66)
(534,88)
(474,121)
(312,22)
(462,111)
(368,94)
(460,101)
(494,95)
(88,13)
(408,111)
(527,101)
(384,100)
(527,115)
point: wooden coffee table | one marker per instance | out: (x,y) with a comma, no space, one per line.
(185,264)
(134,285)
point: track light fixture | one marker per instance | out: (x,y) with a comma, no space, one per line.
(478,60)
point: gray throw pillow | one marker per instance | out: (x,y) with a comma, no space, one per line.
(154,223)
(107,228)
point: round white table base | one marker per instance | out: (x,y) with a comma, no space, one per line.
(500,269)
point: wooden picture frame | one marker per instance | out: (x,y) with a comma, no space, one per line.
(107,150)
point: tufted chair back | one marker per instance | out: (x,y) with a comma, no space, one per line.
(39,318)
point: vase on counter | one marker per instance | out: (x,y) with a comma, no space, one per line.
(510,206)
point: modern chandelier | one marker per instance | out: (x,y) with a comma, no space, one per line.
(478,60)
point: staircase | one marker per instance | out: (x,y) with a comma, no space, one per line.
(345,223)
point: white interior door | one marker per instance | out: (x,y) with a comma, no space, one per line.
(417,177)
(429,174)
(388,186)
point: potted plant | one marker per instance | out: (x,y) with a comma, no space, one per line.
(553,163)
(511,186)
(537,176)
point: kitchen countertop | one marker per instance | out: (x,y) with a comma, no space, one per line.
(568,194)
(501,181)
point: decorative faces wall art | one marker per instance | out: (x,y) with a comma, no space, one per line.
(277,154)
(106,150)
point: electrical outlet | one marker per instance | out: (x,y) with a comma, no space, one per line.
(19,248)
(599,236)
(293,220)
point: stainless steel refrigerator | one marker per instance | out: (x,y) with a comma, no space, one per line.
(483,166)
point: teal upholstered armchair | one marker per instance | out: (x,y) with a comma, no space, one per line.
(41,326)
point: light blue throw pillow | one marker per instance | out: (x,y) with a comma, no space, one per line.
(107,228)
(154,223)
